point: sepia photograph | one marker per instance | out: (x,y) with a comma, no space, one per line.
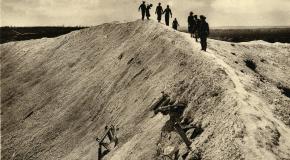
(145,79)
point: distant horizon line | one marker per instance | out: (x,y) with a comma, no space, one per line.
(125,21)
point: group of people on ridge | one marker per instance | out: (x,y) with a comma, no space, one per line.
(198,28)
(145,11)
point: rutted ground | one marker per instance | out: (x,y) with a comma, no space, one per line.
(58,95)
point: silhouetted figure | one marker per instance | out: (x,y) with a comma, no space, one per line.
(175,24)
(195,29)
(191,24)
(104,147)
(175,112)
(148,11)
(143,9)
(203,32)
(159,12)
(167,13)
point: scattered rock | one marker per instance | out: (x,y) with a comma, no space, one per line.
(28,115)
(251,64)
(263,60)
(130,61)
(170,150)
(139,62)
(120,56)
(183,63)
(284,90)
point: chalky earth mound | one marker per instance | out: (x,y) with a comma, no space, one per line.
(58,94)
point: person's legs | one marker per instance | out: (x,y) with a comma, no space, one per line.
(203,42)
(182,134)
(196,36)
(143,15)
(100,152)
(167,21)
(159,17)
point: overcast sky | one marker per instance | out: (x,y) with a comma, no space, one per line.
(93,12)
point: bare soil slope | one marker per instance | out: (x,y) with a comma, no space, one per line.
(58,94)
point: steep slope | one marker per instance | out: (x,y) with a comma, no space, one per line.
(57,95)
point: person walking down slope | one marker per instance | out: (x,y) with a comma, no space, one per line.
(159,12)
(148,11)
(191,24)
(143,9)
(203,32)
(175,24)
(167,13)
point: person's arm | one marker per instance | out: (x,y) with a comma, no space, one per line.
(207,29)
(170,13)
(156,10)
(139,7)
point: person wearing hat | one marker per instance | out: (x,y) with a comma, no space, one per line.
(159,12)
(167,13)
(148,11)
(203,32)
(191,24)
(143,9)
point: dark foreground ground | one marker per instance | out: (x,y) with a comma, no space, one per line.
(271,35)
(8,34)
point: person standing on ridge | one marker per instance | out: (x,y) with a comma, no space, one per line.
(148,11)
(175,24)
(143,9)
(159,12)
(195,29)
(203,32)
(167,13)
(191,24)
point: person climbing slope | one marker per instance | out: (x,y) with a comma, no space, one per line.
(159,12)
(148,11)
(167,13)
(175,24)
(142,7)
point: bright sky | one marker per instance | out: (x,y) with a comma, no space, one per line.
(93,12)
